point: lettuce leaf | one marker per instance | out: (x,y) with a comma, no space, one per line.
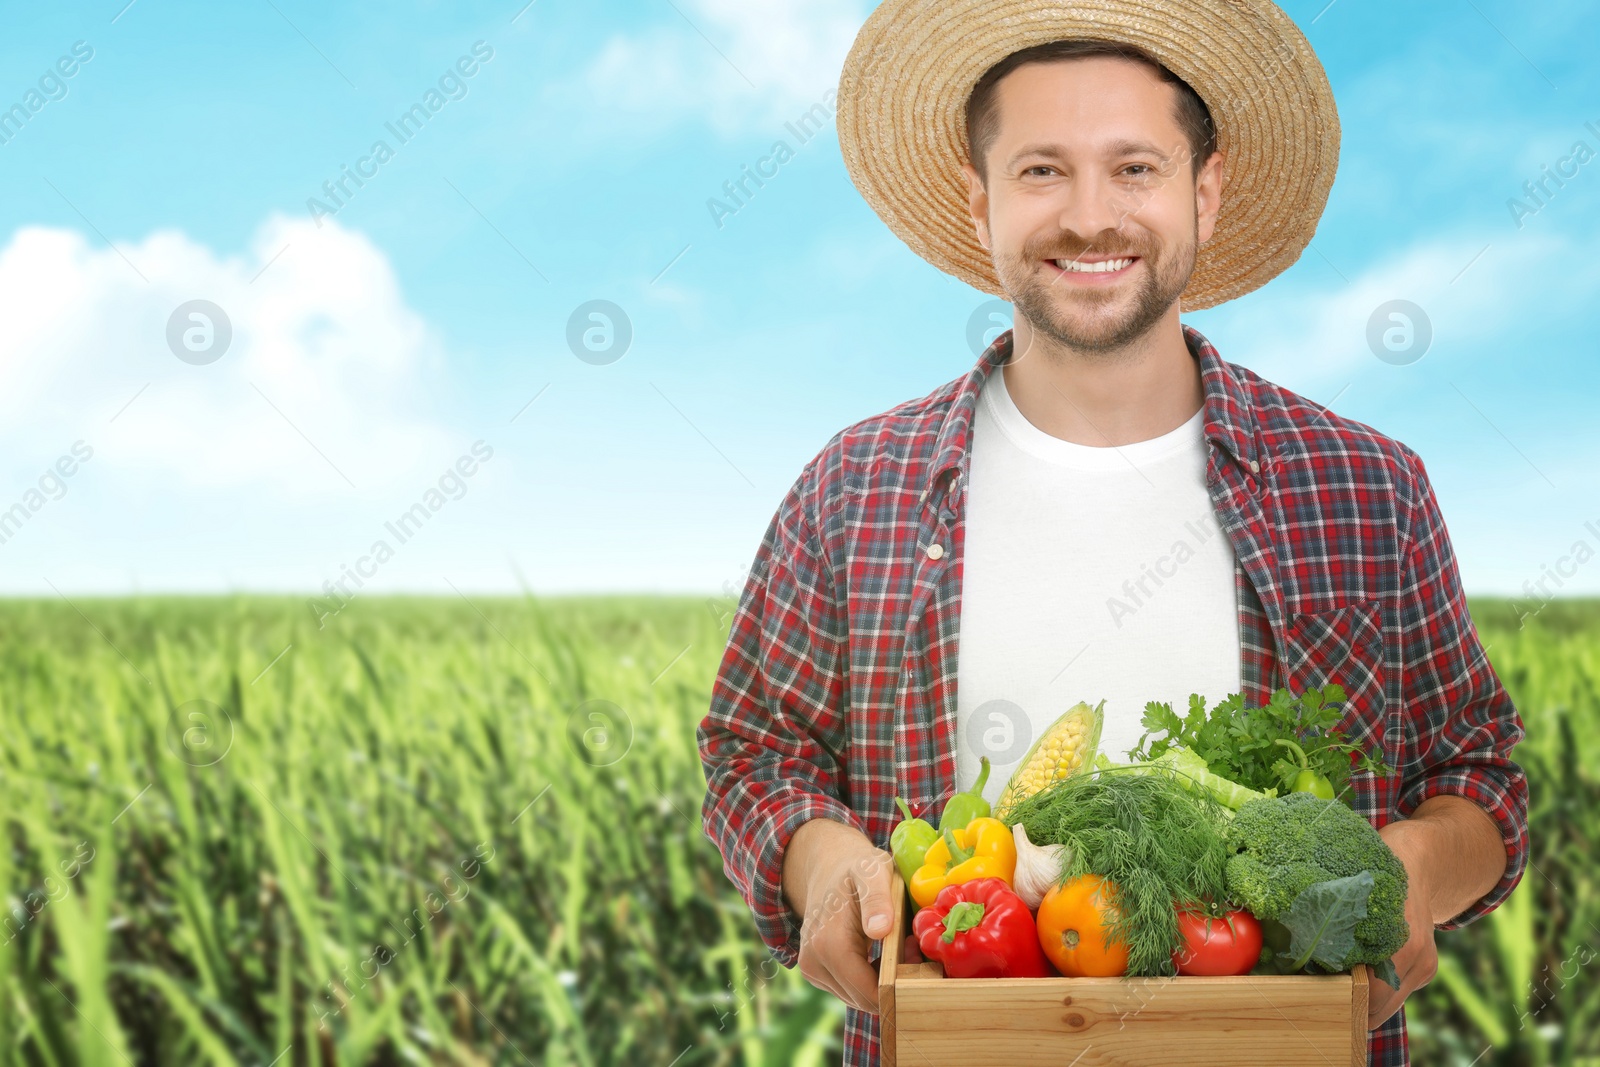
(1187,765)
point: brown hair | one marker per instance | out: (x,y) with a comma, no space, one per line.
(983,106)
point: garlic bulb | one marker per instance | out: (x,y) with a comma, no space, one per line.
(1038,867)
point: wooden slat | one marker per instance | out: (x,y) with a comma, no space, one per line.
(1359,976)
(1244,1021)
(1248,1021)
(888,966)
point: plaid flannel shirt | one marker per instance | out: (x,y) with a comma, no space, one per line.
(837,690)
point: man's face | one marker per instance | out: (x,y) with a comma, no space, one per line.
(1090,165)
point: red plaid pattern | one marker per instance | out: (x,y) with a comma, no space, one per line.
(837,689)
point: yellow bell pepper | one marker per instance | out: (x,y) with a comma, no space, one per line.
(984,848)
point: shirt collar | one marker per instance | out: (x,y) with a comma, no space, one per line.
(1229,416)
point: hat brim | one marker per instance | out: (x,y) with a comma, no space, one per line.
(902,121)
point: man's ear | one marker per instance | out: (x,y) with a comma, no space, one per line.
(1208,196)
(977,203)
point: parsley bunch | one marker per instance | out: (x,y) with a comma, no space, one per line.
(1241,743)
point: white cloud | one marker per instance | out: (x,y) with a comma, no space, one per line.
(776,61)
(323,333)
(1516,475)
(1314,340)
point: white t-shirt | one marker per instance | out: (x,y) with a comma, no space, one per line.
(1089,573)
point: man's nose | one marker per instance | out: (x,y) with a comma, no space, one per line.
(1094,206)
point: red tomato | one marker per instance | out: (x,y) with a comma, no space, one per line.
(1210,947)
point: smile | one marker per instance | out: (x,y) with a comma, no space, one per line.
(1093,273)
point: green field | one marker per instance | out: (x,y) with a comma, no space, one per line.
(437,831)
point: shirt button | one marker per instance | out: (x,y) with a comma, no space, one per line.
(1255,468)
(935,551)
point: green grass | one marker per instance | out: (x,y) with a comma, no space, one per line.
(1522,986)
(448,832)
(248,860)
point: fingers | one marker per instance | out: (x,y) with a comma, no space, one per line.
(1415,966)
(1383,1002)
(874,917)
(1382,1005)
(814,972)
(871,881)
(835,934)
(834,959)
(858,990)
(859,981)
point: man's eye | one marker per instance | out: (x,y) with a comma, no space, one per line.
(1139,166)
(1037,166)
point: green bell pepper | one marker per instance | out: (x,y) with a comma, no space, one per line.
(910,842)
(964,807)
(1308,780)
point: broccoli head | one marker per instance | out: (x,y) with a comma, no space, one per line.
(1280,845)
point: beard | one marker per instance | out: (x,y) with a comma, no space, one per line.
(1096,320)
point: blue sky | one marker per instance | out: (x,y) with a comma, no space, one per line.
(373,347)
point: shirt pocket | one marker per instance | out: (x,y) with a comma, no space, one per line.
(1344,645)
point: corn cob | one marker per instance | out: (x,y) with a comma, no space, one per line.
(1066,748)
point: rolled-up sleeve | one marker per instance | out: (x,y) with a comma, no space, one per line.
(773,742)
(1461,724)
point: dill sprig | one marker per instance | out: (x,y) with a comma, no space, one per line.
(1160,843)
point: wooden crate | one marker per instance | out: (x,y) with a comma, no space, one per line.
(928,1020)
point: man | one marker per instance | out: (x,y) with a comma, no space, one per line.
(1102,507)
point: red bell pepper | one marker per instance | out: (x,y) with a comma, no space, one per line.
(981,929)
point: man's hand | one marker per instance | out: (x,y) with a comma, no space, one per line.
(1453,855)
(837,881)
(1418,959)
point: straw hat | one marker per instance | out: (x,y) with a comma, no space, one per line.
(902,120)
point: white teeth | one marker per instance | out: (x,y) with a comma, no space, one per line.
(1092,268)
